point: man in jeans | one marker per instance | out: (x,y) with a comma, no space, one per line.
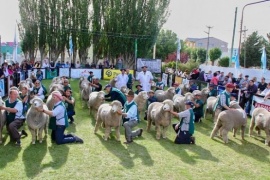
(131,118)
(15,116)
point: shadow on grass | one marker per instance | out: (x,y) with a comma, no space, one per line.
(182,150)
(141,152)
(32,158)
(205,127)
(119,150)
(71,128)
(59,154)
(8,153)
(247,148)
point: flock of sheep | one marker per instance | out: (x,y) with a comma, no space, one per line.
(157,114)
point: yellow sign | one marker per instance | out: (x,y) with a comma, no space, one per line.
(178,80)
(112,73)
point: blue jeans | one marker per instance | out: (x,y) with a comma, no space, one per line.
(61,138)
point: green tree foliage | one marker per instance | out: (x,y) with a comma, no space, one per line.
(201,55)
(166,44)
(252,48)
(214,54)
(224,62)
(191,64)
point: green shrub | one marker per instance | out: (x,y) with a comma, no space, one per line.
(191,64)
(224,62)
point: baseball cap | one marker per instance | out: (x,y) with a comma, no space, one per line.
(108,85)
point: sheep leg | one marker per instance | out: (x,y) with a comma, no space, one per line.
(149,122)
(214,132)
(40,135)
(234,132)
(117,131)
(98,123)
(243,132)
(225,135)
(1,138)
(33,132)
(158,129)
(267,139)
(107,132)
(251,127)
(164,132)
(205,112)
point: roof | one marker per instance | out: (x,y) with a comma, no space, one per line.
(199,39)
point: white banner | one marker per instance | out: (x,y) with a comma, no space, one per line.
(153,65)
(77,73)
(259,101)
(164,79)
(64,72)
(2,87)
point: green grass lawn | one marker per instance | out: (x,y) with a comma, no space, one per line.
(146,158)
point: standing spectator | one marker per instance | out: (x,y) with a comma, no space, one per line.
(45,64)
(195,73)
(119,63)
(202,76)
(262,85)
(248,96)
(240,80)
(178,73)
(122,79)
(90,77)
(67,65)
(130,79)
(131,118)
(77,65)
(209,76)
(244,82)
(145,78)
(221,78)
(214,79)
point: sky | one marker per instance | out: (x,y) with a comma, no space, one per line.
(188,18)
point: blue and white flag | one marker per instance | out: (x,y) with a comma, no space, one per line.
(263,59)
(70,46)
(15,47)
(178,49)
(237,64)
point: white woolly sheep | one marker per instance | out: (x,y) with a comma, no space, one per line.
(159,114)
(140,100)
(230,119)
(82,79)
(37,121)
(261,121)
(86,90)
(204,94)
(184,88)
(163,95)
(2,119)
(179,101)
(210,103)
(56,87)
(109,117)
(95,100)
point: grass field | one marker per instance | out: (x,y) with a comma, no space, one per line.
(145,158)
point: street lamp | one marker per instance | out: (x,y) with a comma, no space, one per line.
(241,25)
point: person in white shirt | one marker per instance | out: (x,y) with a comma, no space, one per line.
(77,65)
(122,79)
(145,78)
(45,63)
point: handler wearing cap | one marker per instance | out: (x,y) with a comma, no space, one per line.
(185,128)
(59,121)
(130,118)
(145,78)
(223,101)
(122,79)
(90,77)
(114,94)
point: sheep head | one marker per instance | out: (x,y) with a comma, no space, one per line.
(124,89)
(144,95)
(116,106)
(189,97)
(234,105)
(205,91)
(57,87)
(101,95)
(56,80)
(36,102)
(171,90)
(167,105)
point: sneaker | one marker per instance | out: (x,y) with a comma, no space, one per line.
(192,140)
(24,133)
(78,140)
(140,134)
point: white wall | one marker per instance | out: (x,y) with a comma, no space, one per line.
(251,72)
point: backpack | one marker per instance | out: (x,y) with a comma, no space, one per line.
(44,89)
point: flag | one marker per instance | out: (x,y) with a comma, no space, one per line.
(70,46)
(237,64)
(15,46)
(178,49)
(263,59)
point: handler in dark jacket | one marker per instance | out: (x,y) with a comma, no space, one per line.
(248,95)
(114,94)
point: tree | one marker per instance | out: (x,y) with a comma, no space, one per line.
(214,54)
(224,62)
(201,55)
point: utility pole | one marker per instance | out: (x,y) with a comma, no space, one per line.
(244,34)
(208,33)
(0,50)
(234,25)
